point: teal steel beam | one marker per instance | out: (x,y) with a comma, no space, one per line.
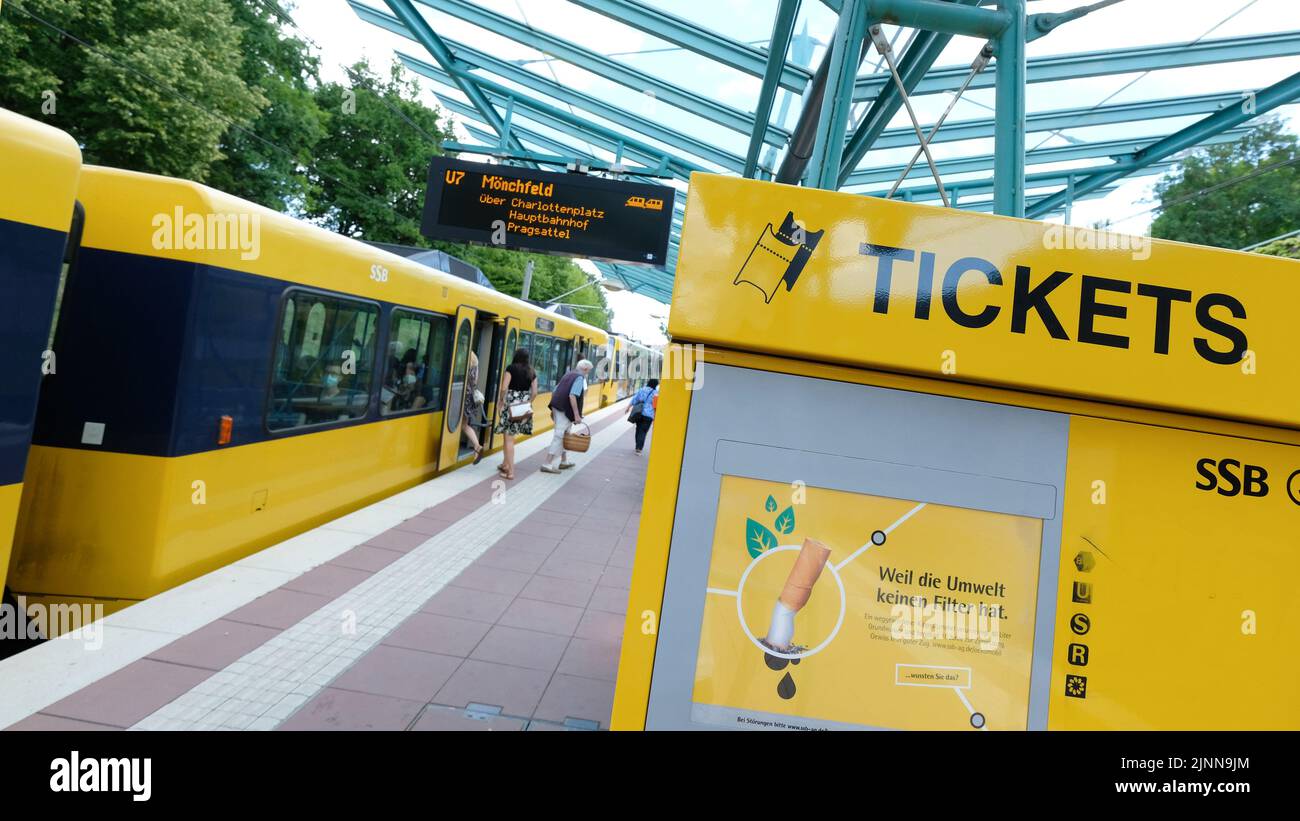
(635,280)
(612,113)
(912,67)
(420,31)
(1280,93)
(1039,156)
(1070,118)
(986,206)
(561,160)
(564,121)
(556,147)
(1009,112)
(559,151)
(982,187)
(639,280)
(702,41)
(625,75)
(782,30)
(936,15)
(608,272)
(1131,60)
(845,57)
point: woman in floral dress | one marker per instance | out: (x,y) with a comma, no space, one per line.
(518,387)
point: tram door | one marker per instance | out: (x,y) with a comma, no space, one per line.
(494,337)
(454,415)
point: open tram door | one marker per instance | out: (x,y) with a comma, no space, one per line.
(454,414)
(492,337)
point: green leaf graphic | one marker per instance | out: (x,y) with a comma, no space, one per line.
(770,505)
(785,522)
(758,538)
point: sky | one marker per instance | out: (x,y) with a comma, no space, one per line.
(342,38)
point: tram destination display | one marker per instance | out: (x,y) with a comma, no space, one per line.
(548,212)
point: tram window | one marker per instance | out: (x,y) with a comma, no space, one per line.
(526,342)
(323,361)
(456,397)
(413,369)
(512,345)
(563,358)
(542,363)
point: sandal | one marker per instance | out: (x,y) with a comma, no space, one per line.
(478,455)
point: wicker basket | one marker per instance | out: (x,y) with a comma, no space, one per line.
(578,442)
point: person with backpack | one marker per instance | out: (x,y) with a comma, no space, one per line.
(641,411)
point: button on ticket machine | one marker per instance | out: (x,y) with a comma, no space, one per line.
(926,468)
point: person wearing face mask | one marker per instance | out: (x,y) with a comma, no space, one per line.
(411,386)
(331,402)
(330,382)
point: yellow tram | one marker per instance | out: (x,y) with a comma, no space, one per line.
(229,377)
(39,166)
(628,365)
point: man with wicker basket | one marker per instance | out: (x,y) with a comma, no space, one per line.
(566,410)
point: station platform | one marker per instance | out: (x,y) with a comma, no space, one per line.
(465,603)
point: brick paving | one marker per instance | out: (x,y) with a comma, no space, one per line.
(526,637)
(523,631)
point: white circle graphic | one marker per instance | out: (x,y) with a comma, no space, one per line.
(740,608)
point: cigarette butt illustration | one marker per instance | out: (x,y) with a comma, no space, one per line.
(798,588)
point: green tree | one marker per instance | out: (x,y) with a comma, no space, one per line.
(371,166)
(1289,248)
(271,167)
(1244,211)
(151,86)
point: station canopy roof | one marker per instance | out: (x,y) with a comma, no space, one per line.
(657,90)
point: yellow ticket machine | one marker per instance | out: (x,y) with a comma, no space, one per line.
(927,468)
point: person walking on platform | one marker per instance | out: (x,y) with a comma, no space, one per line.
(566,410)
(518,390)
(641,411)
